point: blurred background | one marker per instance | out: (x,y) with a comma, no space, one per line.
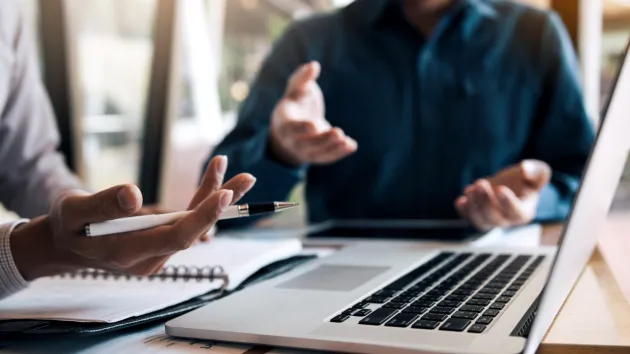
(143,89)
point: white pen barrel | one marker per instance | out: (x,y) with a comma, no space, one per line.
(123,225)
(230,212)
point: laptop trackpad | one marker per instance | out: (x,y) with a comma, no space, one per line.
(334,278)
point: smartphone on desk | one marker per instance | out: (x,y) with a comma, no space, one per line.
(393,230)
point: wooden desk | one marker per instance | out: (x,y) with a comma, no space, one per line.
(596,316)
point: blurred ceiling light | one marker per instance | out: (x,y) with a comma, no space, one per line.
(249,4)
(239,91)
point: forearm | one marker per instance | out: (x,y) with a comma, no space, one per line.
(32,186)
(32,172)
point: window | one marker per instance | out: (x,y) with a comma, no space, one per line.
(112,40)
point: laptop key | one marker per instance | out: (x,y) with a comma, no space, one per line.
(508,293)
(402,320)
(377,299)
(377,317)
(497,306)
(483,297)
(348,312)
(465,315)
(503,299)
(477,328)
(425,324)
(404,299)
(484,320)
(471,308)
(448,303)
(464,292)
(444,310)
(362,313)
(478,302)
(456,298)
(385,293)
(394,305)
(339,318)
(455,325)
(430,298)
(513,287)
(414,309)
(360,305)
(491,312)
(423,303)
(434,317)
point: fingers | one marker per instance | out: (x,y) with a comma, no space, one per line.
(476,213)
(211,181)
(487,207)
(336,152)
(536,173)
(240,185)
(510,205)
(300,79)
(116,202)
(326,147)
(489,203)
(481,206)
(200,220)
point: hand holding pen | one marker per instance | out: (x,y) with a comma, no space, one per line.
(63,246)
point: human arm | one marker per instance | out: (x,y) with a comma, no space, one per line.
(56,243)
(32,173)
(562,134)
(557,148)
(281,127)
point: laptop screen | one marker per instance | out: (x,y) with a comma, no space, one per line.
(589,209)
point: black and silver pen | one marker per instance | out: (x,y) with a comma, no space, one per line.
(143,222)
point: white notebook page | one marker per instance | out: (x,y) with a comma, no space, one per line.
(107,300)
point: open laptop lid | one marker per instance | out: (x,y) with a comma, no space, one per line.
(591,206)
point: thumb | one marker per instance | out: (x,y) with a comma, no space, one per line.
(535,173)
(299,80)
(116,202)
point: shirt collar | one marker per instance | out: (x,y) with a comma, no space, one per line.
(371,11)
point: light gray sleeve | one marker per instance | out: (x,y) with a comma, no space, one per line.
(11,281)
(32,173)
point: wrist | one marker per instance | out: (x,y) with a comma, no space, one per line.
(34,252)
(278,153)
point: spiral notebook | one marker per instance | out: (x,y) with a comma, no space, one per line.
(100,297)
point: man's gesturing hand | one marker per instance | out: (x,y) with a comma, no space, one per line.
(299,131)
(509,198)
(57,242)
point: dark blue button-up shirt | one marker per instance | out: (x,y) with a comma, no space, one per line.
(495,83)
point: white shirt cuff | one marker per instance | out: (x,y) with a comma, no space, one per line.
(11,281)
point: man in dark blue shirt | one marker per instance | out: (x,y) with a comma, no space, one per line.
(419,109)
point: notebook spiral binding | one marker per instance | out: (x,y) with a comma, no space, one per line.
(169,272)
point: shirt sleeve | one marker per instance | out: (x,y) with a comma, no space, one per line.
(11,281)
(247,145)
(32,173)
(563,134)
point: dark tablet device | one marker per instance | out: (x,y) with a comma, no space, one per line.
(434,230)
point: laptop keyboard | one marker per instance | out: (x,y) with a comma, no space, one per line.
(450,292)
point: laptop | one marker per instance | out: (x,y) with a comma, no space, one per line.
(401,298)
